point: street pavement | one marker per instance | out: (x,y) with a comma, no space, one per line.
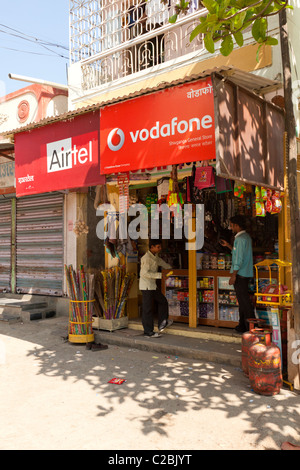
(55,395)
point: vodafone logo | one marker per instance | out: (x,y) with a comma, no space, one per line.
(116,139)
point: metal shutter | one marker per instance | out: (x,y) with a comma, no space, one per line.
(5,246)
(39,245)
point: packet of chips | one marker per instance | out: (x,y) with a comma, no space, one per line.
(116,381)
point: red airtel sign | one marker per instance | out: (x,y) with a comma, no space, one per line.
(59,156)
(172,126)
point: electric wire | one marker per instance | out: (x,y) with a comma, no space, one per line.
(26,52)
(32,39)
(35,39)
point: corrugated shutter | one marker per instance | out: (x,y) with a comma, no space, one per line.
(39,245)
(5,246)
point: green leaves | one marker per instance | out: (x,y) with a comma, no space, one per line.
(226,46)
(227,20)
(211,5)
(239,38)
(209,43)
(173,19)
(259,29)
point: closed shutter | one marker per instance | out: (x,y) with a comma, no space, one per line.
(39,245)
(5,246)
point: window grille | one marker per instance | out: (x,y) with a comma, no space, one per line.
(116,38)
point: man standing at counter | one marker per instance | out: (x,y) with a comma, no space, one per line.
(151,296)
(241,269)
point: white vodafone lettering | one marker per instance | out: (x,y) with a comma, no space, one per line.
(61,155)
(134,137)
(171,128)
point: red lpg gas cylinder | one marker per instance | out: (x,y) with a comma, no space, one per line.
(264,362)
(249,338)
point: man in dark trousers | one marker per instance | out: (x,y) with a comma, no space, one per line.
(152,297)
(241,269)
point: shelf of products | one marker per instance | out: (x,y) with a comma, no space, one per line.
(216,299)
(205,297)
(228,306)
(217,304)
(176,290)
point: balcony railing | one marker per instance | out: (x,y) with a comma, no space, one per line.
(113,39)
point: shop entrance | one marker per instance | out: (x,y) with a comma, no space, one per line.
(216,303)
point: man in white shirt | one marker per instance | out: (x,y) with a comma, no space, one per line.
(152,297)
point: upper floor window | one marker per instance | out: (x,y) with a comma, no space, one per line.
(99,25)
(115,38)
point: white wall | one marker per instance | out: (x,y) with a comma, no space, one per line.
(70,240)
(294,38)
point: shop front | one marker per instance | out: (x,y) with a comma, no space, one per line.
(7,190)
(204,149)
(208,144)
(54,165)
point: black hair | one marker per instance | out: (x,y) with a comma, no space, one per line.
(239,220)
(153,242)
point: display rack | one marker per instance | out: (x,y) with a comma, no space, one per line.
(216,300)
(273,294)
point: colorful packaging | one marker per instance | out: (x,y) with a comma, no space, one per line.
(116,381)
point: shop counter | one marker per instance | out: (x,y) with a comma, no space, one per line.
(216,300)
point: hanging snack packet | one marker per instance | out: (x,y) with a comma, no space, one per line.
(260,209)
(239,190)
(264,195)
(276,202)
(257,193)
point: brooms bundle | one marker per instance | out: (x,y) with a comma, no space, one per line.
(116,287)
(80,287)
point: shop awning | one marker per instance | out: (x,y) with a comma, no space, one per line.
(251,81)
(248,134)
(6,149)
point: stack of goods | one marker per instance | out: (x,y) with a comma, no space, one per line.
(207,282)
(221,261)
(214,261)
(228,313)
(206,311)
(183,296)
(174,309)
(206,296)
(227,262)
(184,308)
(228,298)
(267,200)
(116,287)
(205,262)
(80,287)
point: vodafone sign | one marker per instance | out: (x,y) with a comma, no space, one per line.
(172,126)
(59,156)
